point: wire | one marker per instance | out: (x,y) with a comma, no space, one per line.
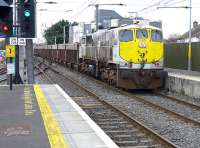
(152,7)
(178,2)
(169,1)
(84,9)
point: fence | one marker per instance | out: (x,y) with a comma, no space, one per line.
(176,56)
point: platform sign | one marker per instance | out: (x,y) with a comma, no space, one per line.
(10,68)
(10,51)
(13,41)
(18,41)
(22,41)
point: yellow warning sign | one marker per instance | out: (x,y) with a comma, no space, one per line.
(10,51)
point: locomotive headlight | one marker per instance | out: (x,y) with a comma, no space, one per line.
(142,45)
(158,63)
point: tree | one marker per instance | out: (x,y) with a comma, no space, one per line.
(56,31)
(173,38)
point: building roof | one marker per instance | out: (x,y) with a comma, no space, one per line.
(108,15)
(3,3)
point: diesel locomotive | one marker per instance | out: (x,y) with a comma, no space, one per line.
(129,57)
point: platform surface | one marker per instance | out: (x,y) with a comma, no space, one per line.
(45,116)
(184,74)
(21,124)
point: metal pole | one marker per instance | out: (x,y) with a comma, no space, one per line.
(10,59)
(64,35)
(17,79)
(97,16)
(29,60)
(55,40)
(190,39)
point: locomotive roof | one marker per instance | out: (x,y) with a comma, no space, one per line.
(126,27)
(138,26)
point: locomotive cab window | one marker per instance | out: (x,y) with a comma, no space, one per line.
(126,35)
(142,34)
(156,36)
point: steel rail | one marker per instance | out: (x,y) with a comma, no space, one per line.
(179,100)
(181,116)
(2,71)
(45,75)
(2,80)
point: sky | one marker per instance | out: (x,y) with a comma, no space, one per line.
(175,20)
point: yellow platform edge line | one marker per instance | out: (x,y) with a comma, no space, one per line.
(55,136)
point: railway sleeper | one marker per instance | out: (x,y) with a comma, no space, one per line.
(113,122)
(135,143)
(114,127)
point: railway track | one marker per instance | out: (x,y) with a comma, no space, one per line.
(182,117)
(189,110)
(2,73)
(181,114)
(122,128)
(41,71)
(3,80)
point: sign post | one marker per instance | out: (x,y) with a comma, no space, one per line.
(10,54)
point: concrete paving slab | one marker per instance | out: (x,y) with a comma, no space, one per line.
(68,116)
(78,127)
(82,140)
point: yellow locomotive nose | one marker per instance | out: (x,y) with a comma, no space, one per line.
(139,47)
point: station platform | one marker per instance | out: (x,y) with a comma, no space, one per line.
(184,82)
(44,116)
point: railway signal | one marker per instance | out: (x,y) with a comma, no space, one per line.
(27,18)
(6,18)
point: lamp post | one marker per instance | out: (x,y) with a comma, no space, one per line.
(190,40)
(190,32)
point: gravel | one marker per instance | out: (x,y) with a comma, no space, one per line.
(175,106)
(184,98)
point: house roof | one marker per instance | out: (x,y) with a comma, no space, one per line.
(195,33)
(108,15)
